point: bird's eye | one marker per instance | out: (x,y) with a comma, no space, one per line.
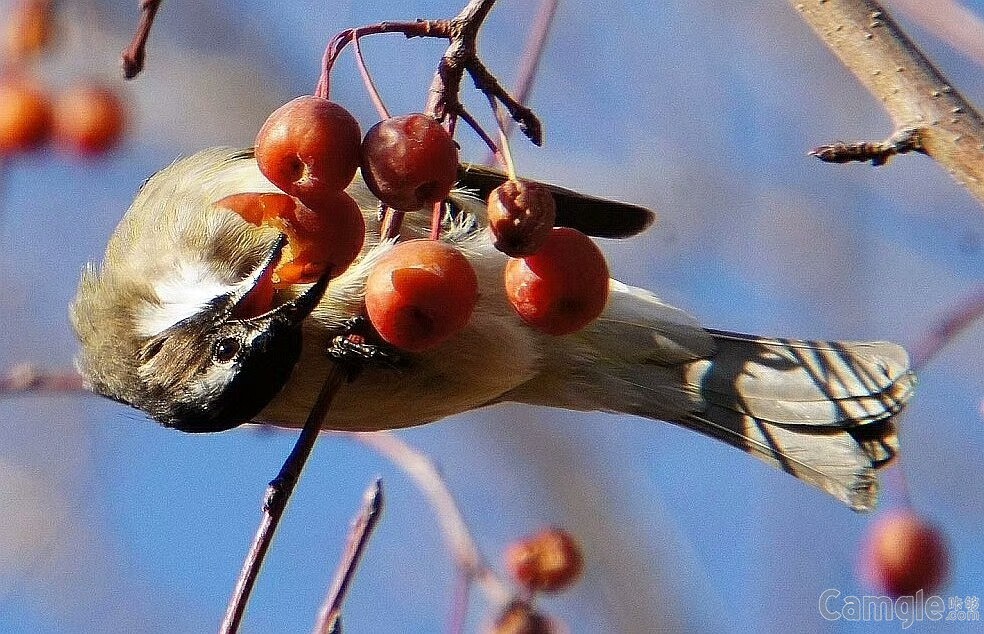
(226,350)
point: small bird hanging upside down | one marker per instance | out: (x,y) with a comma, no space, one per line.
(160,332)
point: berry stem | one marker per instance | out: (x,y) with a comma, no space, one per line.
(436,215)
(392,220)
(474,125)
(377,101)
(503,141)
(420,28)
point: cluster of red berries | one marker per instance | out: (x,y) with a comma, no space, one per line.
(84,120)
(421,292)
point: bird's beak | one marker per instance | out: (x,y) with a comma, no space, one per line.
(290,313)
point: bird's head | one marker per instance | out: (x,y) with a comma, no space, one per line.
(211,370)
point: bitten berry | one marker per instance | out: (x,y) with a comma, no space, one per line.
(521,215)
(421,293)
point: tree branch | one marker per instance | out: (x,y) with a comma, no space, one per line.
(26,378)
(428,479)
(275,501)
(916,95)
(372,507)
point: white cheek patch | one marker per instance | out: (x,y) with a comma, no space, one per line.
(179,296)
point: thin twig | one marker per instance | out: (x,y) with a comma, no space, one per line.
(134,54)
(482,134)
(503,140)
(956,320)
(913,91)
(536,43)
(275,501)
(372,507)
(420,28)
(459,540)
(878,152)
(26,378)
(459,603)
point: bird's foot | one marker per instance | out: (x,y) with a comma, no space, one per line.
(358,346)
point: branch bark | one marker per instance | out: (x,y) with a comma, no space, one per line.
(915,93)
(275,502)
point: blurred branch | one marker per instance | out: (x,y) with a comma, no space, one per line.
(133,55)
(919,100)
(365,522)
(951,21)
(463,549)
(26,378)
(956,320)
(536,43)
(275,501)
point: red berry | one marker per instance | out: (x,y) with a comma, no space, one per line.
(89,120)
(903,553)
(327,234)
(410,161)
(563,287)
(258,209)
(521,215)
(29,29)
(549,561)
(309,147)
(25,115)
(420,293)
(520,618)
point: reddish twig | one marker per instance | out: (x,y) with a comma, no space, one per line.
(459,604)
(536,43)
(26,378)
(460,57)
(362,527)
(956,320)
(482,134)
(275,501)
(437,214)
(134,54)
(420,28)
(459,540)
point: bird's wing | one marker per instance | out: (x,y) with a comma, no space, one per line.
(594,216)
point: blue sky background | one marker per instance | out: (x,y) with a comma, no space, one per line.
(700,109)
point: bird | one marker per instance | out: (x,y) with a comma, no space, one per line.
(159,331)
